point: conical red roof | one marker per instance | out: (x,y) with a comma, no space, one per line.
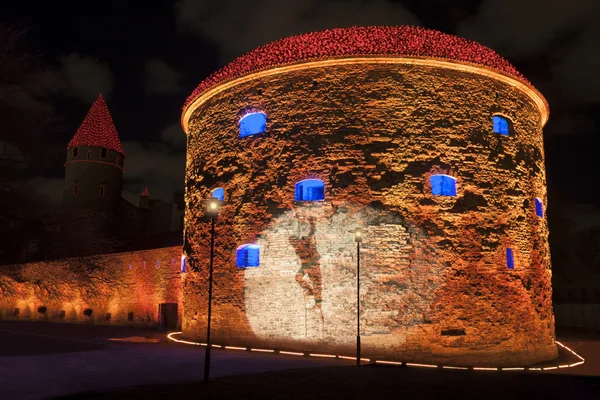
(97,129)
(146,193)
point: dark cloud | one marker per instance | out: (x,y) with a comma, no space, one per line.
(161,78)
(86,77)
(174,136)
(563,35)
(238,26)
(523,28)
(156,166)
(578,66)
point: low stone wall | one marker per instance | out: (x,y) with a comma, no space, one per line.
(119,289)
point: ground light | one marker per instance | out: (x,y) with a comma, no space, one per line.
(171,337)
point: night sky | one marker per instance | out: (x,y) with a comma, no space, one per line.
(147,57)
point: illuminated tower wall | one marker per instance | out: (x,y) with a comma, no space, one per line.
(439,159)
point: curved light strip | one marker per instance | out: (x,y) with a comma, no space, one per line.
(400,363)
(529,90)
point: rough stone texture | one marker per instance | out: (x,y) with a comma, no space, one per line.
(105,284)
(436,286)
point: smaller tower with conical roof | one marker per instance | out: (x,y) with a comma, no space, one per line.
(145,199)
(94,168)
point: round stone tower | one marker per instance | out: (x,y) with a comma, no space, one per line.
(94,169)
(429,142)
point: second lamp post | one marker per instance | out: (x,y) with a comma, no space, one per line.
(358,235)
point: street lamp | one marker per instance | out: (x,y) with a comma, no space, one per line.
(212,210)
(358,236)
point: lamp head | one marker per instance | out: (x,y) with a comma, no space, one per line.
(212,206)
(358,234)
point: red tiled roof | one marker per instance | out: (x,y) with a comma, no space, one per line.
(97,129)
(359,41)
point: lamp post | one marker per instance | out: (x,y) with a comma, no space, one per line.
(212,210)
(358,235)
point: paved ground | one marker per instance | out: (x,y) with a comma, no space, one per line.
(36,361)
(43,360)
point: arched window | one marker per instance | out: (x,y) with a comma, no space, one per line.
(252,124)
(310,190)
(75,152)
(510,259)
(539,207)
(103,152)
(443,185)
(501,125)
(247,255)
(218,193)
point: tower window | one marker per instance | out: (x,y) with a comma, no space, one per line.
(309,190)
(218,193)
(183,263)
(103,152)
(500,124)
(253,123)
(75,189)
(247,255)
(75,152)
(89,154)
(539,207)
(443,185)
(510,259)
(101,190)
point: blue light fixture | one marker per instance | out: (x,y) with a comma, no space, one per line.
(218,193)
(500,125)
(252,124)
(309,190)
(443,185)
(510,259)
(539,207)
(247,255)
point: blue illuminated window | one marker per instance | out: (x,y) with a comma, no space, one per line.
(310,190)
(443,185)
(510,259)
(500,125)
(247,255)
(252,124)
(218,193)
(183,263)
(539,207)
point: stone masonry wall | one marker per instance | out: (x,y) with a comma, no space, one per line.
(436,283)
(112,286)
